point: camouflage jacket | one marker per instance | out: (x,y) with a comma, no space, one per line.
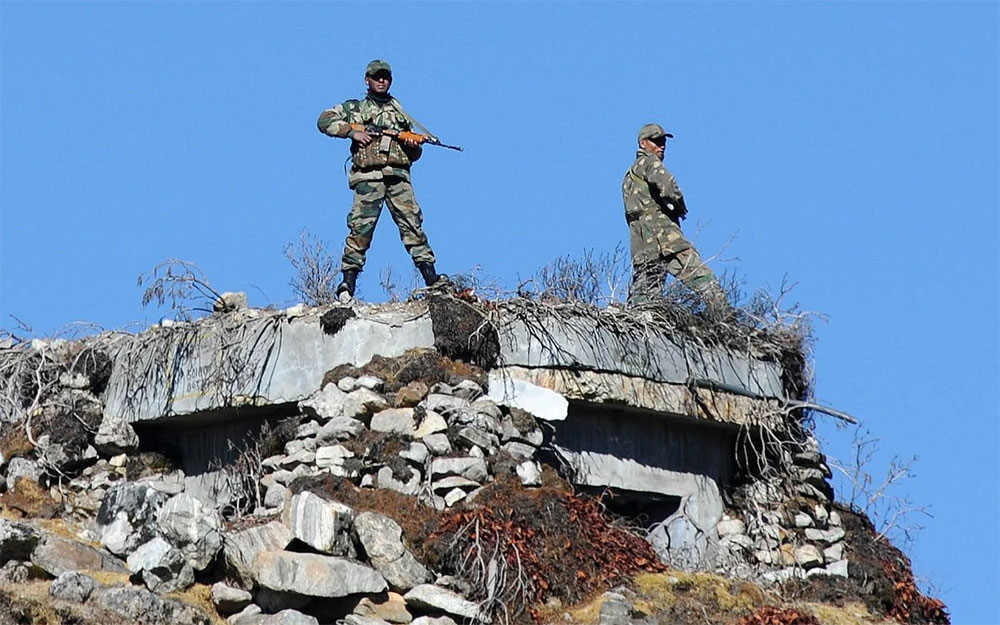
(650,191)
(384,156)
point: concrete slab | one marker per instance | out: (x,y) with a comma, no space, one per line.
(241,361)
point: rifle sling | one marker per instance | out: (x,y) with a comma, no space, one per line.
(399,107)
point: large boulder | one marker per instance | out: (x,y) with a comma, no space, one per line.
(17,540)
(323,525)
(73,586)
(315,575)
(143,607)
(229,600)
(285,617)
(240,549)
(434,598)
(162,567)
(381,538)
(127,517)
(193,528)
(56,556)
(116,436)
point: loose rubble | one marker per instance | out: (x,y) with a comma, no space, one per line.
(264,548)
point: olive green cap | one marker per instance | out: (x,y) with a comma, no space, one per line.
(653,131)
(376,66)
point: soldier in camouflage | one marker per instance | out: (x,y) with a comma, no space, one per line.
(380,172)
(654,207)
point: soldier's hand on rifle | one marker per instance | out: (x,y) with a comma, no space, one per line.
(362,137)
(410,143)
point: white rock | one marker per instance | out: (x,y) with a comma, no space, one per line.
(829,536)
(729,527)
(431,597)
(362,403)
(519,450)
(387,480)
(325,404)
(541,402)
(241,548)
(416,453)
(315,575)
(307,429)
(437,444)
(835,552)
(802,520)
(340,428)
(381,538)
(347,384)
(444,404)
(397,420)
(274,497)
(530,473)
(370,382)
(332,455)
(228,600)
(469,468)
(432,620)
(115,436)
(808,555)
(432,423)
(454,481)
(321,524)
(453,496)
(193,528)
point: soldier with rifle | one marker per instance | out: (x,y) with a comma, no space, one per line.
(383,147)
(654,208)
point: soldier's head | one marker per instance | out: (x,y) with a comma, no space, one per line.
(378,77)
(653,139)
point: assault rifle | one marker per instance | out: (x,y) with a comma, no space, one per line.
(403,135)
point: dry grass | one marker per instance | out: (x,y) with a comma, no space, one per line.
(200,596)
(682,598)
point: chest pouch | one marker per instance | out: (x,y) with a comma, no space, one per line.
(384,144)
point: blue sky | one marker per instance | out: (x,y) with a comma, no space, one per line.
(850,146)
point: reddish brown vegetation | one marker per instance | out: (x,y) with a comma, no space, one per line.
(770,615)
(563,543)
(909,605)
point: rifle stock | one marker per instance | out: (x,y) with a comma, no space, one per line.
(404,135)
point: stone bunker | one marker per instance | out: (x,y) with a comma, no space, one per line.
(630,409)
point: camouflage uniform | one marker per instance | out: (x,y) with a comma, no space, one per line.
(653,208)
(380,172)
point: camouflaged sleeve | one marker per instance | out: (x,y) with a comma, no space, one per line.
(335,121)
(661,180)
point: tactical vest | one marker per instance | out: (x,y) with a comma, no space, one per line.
(382,151)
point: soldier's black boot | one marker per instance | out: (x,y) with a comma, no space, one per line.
(431,277)
(347,285)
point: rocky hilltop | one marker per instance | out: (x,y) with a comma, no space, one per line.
(438,461)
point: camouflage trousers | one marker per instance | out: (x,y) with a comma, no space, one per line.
(659,248)
(368,198)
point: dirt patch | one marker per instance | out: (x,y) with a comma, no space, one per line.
(14,441)
(29,500)
(462,332)
(881,577)
(423,365)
